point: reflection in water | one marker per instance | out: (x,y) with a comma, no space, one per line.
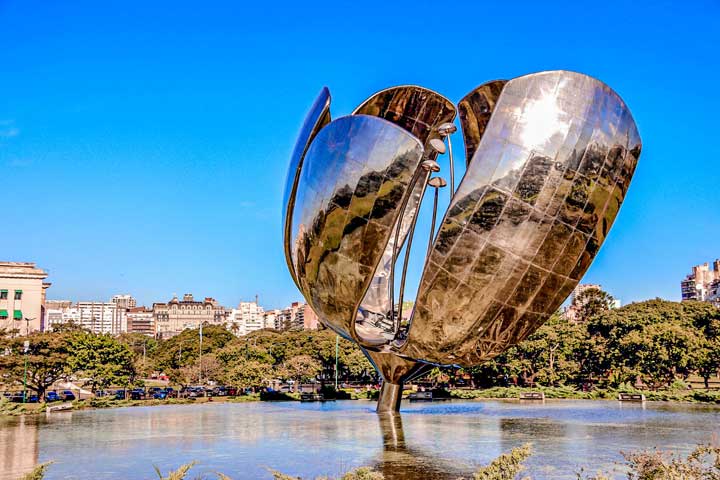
(18,447)
(399,461)
(430,440)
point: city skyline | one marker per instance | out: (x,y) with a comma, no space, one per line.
(157,156)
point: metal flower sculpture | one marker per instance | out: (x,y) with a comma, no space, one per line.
(549,160)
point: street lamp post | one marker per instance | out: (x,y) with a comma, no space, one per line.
(337,346)
(200,356)
(26,347)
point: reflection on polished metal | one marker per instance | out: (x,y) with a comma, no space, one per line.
(549,160)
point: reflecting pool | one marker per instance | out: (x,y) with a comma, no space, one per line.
(430,440)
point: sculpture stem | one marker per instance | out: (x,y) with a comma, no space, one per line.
(390,397)
(394,370)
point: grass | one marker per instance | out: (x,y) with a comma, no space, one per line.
(562,392)
(15,409)
(695,396)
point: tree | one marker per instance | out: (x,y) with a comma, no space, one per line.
(143,348)
(354,362)
(662,351)
(101,359)
(47,360)
(549,355)
(653,340)
(591,302)
(194,374)
(249,374)
(708,360)
(184,349)
(302,368)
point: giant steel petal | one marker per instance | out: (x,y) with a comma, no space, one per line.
(537,200)
(317,117)
(355,176)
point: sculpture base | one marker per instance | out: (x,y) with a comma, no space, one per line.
(390,397)
(394,370)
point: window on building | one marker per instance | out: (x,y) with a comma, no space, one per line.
(18,294)
(3,294)
(17,314)
(3,314)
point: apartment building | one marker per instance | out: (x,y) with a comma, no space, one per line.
(140,320)
(700,283)
(22,297)
(177,315)
(247,317)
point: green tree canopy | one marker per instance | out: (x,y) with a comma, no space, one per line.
(101,359)
(47,360)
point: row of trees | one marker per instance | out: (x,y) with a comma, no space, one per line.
(101,361)
(259,357)
(653,342)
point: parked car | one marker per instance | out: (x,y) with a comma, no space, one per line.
(67,395)
(17,397)
(171,392)
(232,391)
(52,397)
(137,394)
(219,391)
(160,395)
(119,394)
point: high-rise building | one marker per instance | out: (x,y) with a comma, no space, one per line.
(22,297)
(58,312)
(140,320)
(176,315)
(97,317)
(714,293)
(123,303)
(699,284)
(272,319)
(298,316)
(309,318)
(102,317)
(246,318)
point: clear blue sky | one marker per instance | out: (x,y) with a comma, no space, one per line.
(143,145)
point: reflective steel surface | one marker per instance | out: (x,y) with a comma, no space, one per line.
(537,201)
(355,175)
(421,112)
(475,109)
(416,109)
(317,117)
(550,158)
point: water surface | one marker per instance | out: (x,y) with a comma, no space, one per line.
(430,440)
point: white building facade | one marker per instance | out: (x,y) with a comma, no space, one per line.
(97,317)
(22,297)
(247,317)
